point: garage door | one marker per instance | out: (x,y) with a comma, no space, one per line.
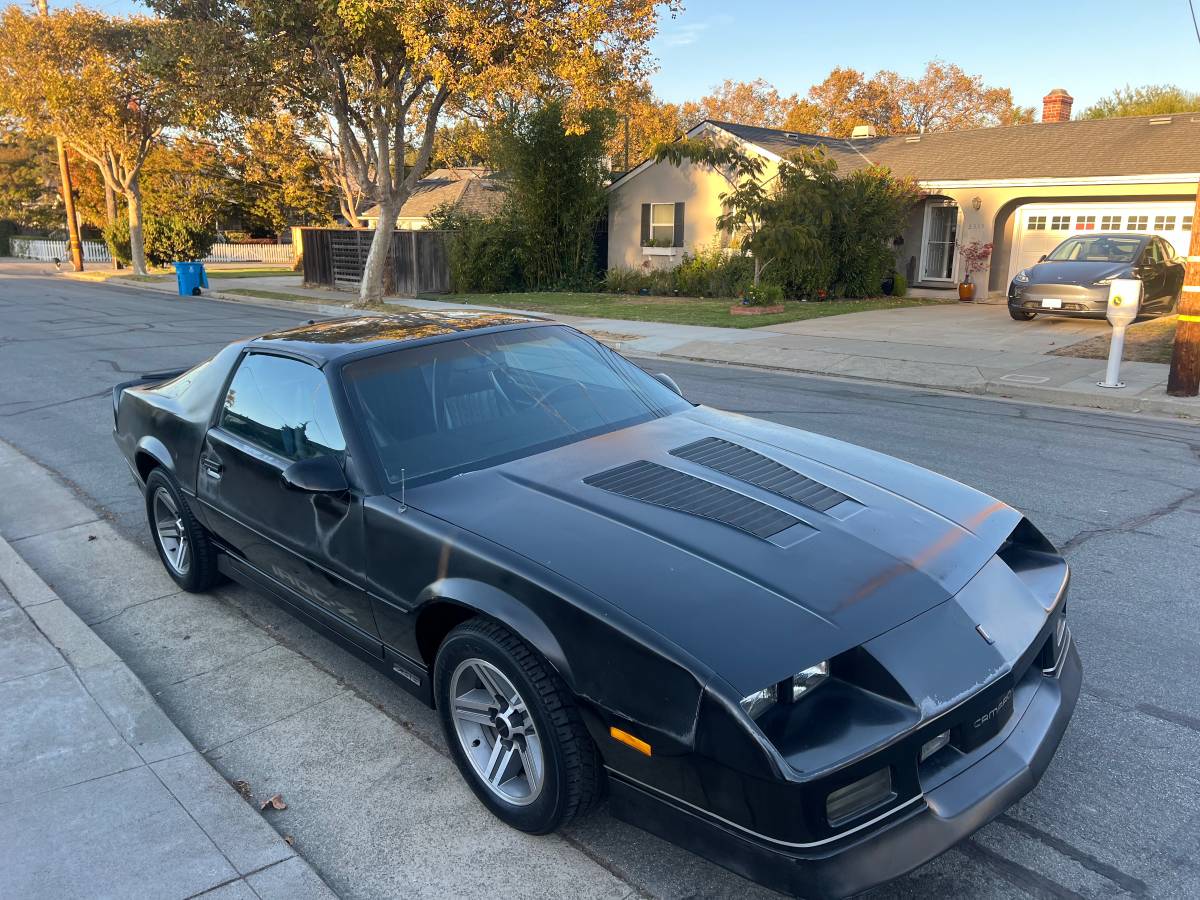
(1040,227)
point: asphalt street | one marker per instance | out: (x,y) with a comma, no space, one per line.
(1118,812)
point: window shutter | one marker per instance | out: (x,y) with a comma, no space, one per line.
(645,224)
(678,224)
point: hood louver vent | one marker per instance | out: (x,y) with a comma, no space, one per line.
(663,486)
(753,468)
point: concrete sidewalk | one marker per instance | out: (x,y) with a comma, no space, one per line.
(100,794)
(972,348)
(374,802)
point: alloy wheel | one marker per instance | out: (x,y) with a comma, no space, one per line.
(496,732)
(170,533)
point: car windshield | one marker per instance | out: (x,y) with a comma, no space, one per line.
(1097,248)
(453,406)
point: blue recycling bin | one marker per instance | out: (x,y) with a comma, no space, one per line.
(191,277)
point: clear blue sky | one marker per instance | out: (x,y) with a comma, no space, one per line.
(1088,47)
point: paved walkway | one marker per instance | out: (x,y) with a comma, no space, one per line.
(974,348)
(100,794)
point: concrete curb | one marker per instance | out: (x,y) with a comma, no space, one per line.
(244,837)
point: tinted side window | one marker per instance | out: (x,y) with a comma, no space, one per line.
(283,406)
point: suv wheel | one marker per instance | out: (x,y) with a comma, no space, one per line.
(1021,315)
(513,729)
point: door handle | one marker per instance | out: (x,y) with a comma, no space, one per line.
(212,467)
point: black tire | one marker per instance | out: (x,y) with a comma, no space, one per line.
(1021,315)
(200,571)
(571,782)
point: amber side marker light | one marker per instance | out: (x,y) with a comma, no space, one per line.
(626,738)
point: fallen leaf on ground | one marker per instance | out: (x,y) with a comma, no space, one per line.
(289,840)
(242,787)
(275,802)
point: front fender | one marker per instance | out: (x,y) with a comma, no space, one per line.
(491,601)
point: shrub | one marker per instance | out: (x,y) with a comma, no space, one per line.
(482,254)
(712,272)
(708,273)
(899,285)
(624,280)
(167,240)
(175,239)
(764,294)
(116,236)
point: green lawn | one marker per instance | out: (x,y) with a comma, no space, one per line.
(677,310)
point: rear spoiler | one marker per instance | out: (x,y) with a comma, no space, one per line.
(144,379)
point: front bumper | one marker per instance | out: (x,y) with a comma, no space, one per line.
(905,839)
(1077,301)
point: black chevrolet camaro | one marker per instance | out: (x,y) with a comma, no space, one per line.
(811,663)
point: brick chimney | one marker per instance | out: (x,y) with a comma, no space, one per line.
(1056,106)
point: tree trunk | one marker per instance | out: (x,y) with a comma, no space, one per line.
(757,270)
(371,290)
(110,209)
(137,245)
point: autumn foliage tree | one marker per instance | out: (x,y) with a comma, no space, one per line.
(109,87)
(384,71)
(942,98)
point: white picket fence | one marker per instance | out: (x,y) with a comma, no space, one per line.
(37,248)
(96,251)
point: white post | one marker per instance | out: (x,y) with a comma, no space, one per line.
(1124,301)
(1115,349)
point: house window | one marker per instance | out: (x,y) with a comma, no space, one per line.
(1138,223)
(1110,223)
(1085,223)
(1036,223)
(1186,224)
(662,224)
(1164,223)
(1060,223)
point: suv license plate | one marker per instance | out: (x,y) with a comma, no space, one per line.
(1049,303)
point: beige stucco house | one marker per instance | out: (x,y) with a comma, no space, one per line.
(1024,188)
(467,189)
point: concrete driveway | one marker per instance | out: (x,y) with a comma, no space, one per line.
(965,326)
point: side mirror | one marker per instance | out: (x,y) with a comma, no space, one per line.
(668,381)
(316,475)
(1042,258)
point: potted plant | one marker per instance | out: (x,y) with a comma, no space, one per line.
(975,256)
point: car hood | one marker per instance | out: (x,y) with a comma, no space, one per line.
(752,609)
(1084,273)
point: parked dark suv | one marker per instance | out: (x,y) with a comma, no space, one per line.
(1073,279)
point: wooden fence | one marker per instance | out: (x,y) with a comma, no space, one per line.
(96,251)
(336,257)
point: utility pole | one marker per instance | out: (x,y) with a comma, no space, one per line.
(64,174)
(1184,379)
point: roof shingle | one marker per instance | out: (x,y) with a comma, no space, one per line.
(1087,148)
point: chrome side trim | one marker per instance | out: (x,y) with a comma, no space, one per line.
(763,837)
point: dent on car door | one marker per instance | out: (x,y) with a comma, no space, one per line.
(278,411)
